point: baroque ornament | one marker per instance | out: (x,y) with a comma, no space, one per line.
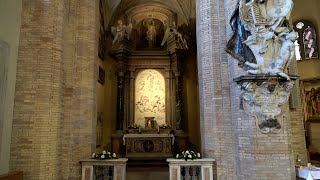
(264,101)
(263,42)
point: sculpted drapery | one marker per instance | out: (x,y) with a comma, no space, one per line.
(262,39)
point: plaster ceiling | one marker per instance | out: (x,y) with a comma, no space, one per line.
(185,9)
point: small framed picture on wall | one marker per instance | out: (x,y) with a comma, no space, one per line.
(101,75)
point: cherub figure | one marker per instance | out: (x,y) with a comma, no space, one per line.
(286,54)
(121,31)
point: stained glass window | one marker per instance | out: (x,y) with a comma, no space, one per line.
(310,43)
(306,44)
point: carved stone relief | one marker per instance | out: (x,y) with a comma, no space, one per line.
(150,97)
(148,147)
(264,101)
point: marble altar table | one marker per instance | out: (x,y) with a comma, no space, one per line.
(148,146)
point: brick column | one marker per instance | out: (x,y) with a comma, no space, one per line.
(214,92)
(39,91)
(257,155)
(81,55)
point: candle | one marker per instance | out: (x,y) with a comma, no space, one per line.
(158,129)
(139,129)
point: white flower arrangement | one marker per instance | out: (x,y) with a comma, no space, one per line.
(164,126)
(188,154)
(133,126)
(104,155)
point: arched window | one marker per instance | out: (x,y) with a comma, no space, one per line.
(306,44)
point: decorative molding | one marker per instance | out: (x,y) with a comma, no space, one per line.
(264,100)
(145,11)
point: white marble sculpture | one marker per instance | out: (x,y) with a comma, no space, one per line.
(120,32)
(265,102)
(173,31)
(271,42)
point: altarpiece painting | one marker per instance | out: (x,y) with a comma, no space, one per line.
(312,100)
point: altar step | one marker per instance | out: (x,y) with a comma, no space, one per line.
(147,170)
(147,173)
(147,163)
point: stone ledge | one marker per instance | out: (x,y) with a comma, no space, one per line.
(111,162)
(261,78)
(203,161)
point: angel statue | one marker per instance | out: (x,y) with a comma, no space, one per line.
(263,39)
(121,31)
(173,31)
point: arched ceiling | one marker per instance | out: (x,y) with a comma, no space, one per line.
(185,9)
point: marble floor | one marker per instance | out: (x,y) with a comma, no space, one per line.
(148,173)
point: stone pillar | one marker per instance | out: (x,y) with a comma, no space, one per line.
(120,95)
(174,172)
(123,99)
(256,155)
(120,102)
(131,94)
(120,55)
(178,108)
(214,91)
(78,133)
(39,91)
(177,57)
(170,102)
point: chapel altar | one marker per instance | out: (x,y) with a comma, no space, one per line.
(149,54)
